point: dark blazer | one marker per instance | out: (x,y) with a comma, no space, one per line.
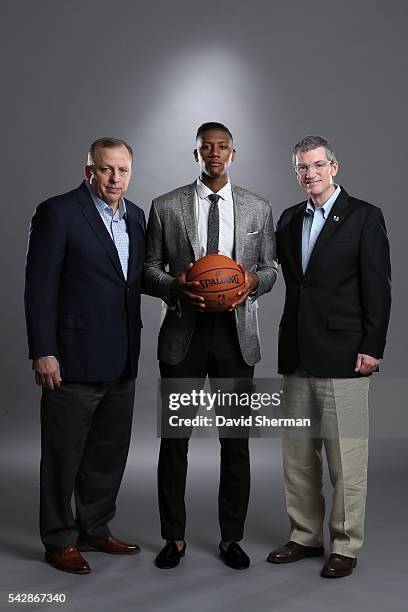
(341,306)
(79,307)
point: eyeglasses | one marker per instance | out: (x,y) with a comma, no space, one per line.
(318,166)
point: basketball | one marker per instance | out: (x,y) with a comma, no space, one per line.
(220,280)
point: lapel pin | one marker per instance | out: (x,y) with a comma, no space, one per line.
(336,218)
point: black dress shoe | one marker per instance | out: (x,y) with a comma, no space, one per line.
(234,556)
(292,552)
(170,556)
(338,566)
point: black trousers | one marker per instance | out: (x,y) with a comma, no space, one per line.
(85,436)
(214,351)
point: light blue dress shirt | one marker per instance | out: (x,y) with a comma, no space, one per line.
(314,219)
(115,223)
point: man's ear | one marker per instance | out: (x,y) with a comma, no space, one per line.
(88,172)
(233,154)
(195,153)
(334,167)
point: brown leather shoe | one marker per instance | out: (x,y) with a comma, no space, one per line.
(110,545)
(68,559)
(338,566)
(292,551)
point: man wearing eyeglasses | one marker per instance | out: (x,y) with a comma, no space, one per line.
(334,253)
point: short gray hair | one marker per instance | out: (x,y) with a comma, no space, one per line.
(106,143)
(308,143)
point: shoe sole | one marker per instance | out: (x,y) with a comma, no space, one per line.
(319,553)
(241,567)
(235,567)
(68,571)
(181,555)
(108,552)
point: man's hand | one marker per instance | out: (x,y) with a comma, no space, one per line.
(366,364)
(47,372)
(184,290)
(251,283)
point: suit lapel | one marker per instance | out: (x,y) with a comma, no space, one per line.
(241,211)
(338,213)
(297,228)
(134,232)
(94,219)
(189,216)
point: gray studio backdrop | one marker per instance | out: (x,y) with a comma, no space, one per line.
(151,72)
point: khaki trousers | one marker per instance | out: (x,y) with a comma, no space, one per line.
(338,409)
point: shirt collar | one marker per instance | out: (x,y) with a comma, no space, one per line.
(102,206)
(203,191)
(327,206)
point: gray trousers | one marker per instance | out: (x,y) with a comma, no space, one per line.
(85,436)
(338,409)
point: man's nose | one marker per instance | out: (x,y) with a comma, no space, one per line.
(114,177)
(311,172)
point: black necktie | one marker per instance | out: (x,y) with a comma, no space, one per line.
(213,224)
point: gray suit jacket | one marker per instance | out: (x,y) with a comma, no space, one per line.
(172,243)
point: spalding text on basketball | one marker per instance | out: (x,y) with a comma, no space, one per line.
(210,282)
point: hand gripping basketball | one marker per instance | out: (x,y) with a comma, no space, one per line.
(219,280)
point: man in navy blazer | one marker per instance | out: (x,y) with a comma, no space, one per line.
(334,253)
(82,299)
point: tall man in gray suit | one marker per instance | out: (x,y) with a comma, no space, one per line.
(210,215)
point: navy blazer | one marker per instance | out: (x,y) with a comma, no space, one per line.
(341,305)
(79,306)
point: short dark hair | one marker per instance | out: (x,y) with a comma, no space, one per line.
(106,143)
(212,125)
(308,143)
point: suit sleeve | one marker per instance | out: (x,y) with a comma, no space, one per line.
(45,257)
(375,273)
(267,267)
(156,281)
(279,225)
